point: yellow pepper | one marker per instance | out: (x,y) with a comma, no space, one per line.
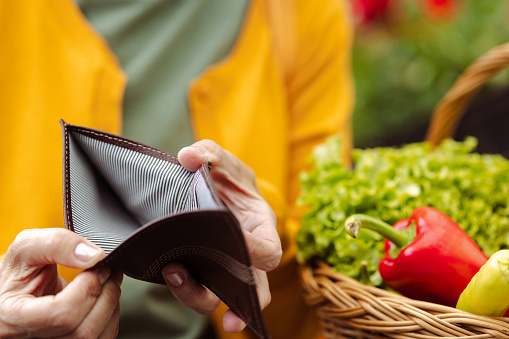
(488,291)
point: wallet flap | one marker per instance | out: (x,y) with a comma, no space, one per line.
(146,210)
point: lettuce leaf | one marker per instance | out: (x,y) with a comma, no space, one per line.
(389,183)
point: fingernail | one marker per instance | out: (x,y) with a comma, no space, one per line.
(103,274)
(85,252)
(175,279)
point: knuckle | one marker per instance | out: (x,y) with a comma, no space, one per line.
(18,248)
(44,239)
(95,289)
(84,332)
(50,240)
(207,307)
(92,287)
(209,145)
(275,258)
(271,264)
(60,240)
(64,322)
(267,260)
(23,239)
(211,148)
(112,294)
(24,234)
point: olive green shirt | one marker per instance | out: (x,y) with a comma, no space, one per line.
(162,45)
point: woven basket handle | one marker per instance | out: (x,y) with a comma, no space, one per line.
(452,107)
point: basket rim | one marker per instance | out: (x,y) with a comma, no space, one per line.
(344,304)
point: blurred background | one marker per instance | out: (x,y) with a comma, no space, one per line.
(407,55)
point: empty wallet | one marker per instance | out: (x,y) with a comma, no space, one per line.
(145,210)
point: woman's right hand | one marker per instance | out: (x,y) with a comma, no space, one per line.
(36,302)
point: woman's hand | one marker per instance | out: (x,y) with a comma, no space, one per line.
(235,184)
(36,302)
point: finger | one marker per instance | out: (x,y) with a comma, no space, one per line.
(223,163)
(40,247)
(187,290)
(102,319)
(111,330)
(264,248)
(262,288)
(62,313)
(232,323)
(192,157)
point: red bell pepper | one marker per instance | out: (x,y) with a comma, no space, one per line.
(436,260)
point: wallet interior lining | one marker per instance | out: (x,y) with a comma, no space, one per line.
(116,190)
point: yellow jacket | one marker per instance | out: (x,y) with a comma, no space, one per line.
(285,87)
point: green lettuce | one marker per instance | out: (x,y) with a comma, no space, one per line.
(389,183)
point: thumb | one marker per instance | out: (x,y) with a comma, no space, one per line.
(224,163)
(192,157)
(40,247)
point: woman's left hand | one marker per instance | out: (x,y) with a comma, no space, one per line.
(235,184)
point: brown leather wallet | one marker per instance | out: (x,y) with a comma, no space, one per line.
(145,210)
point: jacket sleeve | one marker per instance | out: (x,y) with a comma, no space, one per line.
(320,90)
(320,98)
(319,81)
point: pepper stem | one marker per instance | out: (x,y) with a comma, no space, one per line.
(354,223)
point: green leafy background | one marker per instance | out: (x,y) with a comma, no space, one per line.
(404,63)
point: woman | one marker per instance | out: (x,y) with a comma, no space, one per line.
(268,93)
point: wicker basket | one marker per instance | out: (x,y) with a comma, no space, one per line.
(349,309)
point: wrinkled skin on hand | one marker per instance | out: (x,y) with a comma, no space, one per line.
(36,302)
(235,184)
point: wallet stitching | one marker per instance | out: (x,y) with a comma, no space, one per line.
(67,180)
(102,135)
(219,257)
(253,301)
